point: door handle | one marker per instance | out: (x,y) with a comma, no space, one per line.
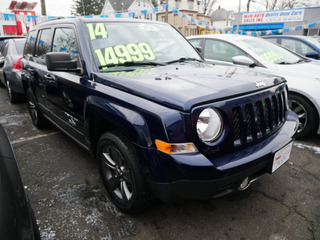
(30,70)
(49,77)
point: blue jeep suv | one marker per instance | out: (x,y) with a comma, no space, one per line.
(160,121)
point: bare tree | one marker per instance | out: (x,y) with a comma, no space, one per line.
(207,6)
(282,4)
(294,3)
(248,4)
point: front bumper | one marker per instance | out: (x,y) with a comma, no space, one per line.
(194,176)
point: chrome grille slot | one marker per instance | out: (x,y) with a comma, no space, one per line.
(258,119)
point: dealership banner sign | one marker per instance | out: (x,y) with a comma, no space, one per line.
(273,16)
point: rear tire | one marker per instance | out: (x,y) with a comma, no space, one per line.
(14,97)
(121,173)
(37,118)
(307,113)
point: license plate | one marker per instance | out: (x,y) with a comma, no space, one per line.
(281,157)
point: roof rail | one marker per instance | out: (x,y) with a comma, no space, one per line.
(53,19)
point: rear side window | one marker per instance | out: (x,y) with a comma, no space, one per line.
(19,46)
(64,40)
(195,42)
(4,49)
(30,43)
(43,43)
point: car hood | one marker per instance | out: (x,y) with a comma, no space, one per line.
(307,69)
(184,85)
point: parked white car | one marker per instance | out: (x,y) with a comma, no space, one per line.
(302,74)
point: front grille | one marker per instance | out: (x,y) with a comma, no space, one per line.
(258,119)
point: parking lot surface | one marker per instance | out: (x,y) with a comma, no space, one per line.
(70,202)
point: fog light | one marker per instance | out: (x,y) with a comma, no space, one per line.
(245,183)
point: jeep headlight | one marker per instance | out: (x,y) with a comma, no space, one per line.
(209,125)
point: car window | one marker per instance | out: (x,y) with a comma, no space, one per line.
(296,46)
(195,42)
(220,50)
(270,52)
(4,49)
(64,40)
(30,43)
(117,43)
(43,44)
(274,40)
(19,46)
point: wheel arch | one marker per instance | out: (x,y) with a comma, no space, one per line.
(102,116)
(309,99)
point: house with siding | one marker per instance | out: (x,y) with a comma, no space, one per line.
(112,7)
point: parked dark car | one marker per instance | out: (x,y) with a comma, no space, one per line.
(303,45)
(159,120)
(17,220)
(10,68)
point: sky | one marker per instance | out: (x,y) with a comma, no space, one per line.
(63,7)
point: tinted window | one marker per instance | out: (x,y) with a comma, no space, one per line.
(44,43)
(65,41)
(222,51)
(4,49)
(19,46)
(195,42)
(274,40)
(296,46)
(29,46)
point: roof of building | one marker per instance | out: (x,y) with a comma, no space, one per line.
(221,14)
(123,5)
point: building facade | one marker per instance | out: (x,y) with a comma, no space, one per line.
(297,21)
(19,20)
(190,8)
(223,19)
(139,7)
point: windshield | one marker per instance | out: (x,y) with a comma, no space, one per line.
(271,52)
(114,44)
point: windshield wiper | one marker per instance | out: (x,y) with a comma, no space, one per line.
(300,61)
(184,59)
(129,64)
(285,63)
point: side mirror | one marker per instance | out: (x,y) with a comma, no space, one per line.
(314,55)
(60,61)
(243,60)
(199,49)
(1,61)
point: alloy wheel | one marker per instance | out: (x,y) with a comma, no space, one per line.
(299,109)
(117,174)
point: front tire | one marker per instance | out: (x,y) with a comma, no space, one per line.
(121,173)
(37,118)
(308,117)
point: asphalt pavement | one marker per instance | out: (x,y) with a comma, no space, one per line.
(69,200)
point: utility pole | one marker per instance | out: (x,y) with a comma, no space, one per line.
(43,8)
(166,16)
(239,17)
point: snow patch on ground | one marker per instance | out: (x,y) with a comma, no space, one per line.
(314,149)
